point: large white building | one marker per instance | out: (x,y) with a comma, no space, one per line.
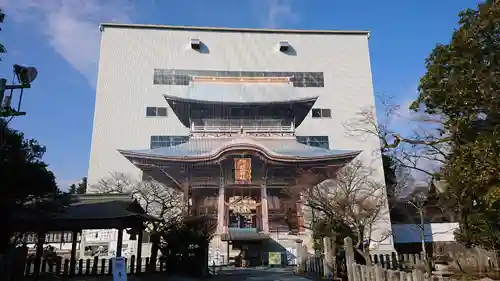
(145,70)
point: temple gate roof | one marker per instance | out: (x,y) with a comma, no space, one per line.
(219,100)
(243,93)
(210,148)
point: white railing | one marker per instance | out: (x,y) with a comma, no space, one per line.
(242,125)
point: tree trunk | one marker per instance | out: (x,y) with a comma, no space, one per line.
(334,257)
(365,254)
(428,264)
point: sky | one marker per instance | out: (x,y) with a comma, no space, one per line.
(61,39)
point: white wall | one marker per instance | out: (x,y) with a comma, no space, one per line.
(433,232)
(125,85)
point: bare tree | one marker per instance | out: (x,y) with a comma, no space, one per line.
(415,203)
(419,153)
(423,150)
(115,183)
(157,199)
(350,196)
(409,202)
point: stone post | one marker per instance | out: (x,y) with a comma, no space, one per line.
(301,257)
(328,257)
(349,257)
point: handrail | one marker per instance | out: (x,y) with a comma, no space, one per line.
(238,125)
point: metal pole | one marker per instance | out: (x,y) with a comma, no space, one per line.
(3,83)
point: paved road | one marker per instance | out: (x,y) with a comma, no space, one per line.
(258,274)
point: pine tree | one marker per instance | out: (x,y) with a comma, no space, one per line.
(72,189)
(82,186)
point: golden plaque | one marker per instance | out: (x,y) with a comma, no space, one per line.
(242,205)
(242,170)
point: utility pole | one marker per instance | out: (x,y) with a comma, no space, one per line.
(25,75)
(5,109)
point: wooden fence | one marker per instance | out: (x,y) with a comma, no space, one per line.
(314,265)
(392,267)
(397,261)
(377,273)
(90,267)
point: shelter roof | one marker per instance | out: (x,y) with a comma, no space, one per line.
(91,211)
(244,235)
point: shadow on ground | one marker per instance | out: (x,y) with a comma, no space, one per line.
(223,274)
(257,274)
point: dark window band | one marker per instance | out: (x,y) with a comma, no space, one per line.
(182,77)
(317,141)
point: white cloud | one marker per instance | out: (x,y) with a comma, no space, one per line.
(71,26)
(405,114)
(277,13)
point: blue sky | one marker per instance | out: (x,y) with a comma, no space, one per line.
(61,38)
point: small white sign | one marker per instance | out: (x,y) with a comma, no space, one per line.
(119,269)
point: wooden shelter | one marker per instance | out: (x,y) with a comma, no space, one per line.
(89,211)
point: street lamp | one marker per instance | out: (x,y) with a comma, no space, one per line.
(24,75)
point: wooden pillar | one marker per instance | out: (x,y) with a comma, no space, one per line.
(300,215)
(185,197)
(119,243)
(155,244)
(258,215)
(187,189)
(264,208)
(72,261)
(39,252)
(220,210)
(221,202)
(139,251)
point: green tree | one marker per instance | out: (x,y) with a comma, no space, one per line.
(2,18)
(329,227)
(389,174)
(461,86)
(82,186)
(72,189)
(25,180)
(185,245)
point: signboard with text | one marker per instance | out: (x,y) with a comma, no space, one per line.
(242,170)
(274,258)
(119,269)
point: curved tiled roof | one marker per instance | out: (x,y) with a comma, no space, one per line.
(243,93)
(281,149)
(88,211)
(221,97)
